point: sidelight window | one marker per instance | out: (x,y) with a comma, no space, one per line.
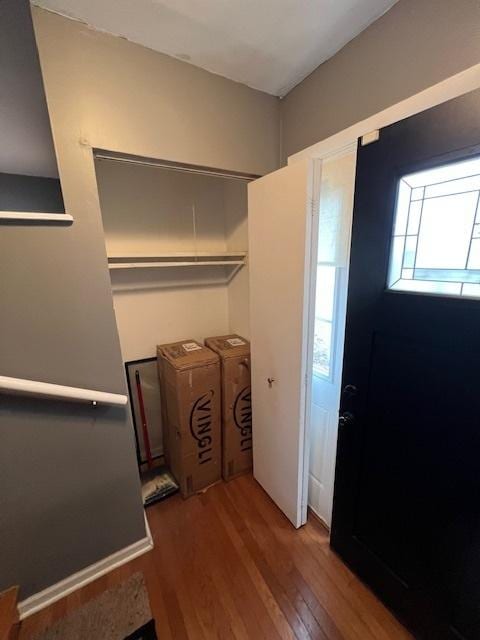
(436,234)
(324,317)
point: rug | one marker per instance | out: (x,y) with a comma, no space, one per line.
(120,613)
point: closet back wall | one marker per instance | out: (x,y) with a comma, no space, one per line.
(148,211)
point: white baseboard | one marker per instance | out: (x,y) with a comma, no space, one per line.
(79,579)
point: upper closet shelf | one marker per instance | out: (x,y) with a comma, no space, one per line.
(172,260)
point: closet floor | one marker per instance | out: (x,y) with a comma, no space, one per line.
(228,564)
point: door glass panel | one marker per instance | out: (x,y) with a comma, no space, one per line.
(436,233)
(396,260)
(324,316)
(331,221)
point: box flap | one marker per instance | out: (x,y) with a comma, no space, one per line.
(186,354)
(231,346)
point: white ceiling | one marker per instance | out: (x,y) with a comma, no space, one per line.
(270,45)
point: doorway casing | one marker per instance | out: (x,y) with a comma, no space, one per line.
(335,146)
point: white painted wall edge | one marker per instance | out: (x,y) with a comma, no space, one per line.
(55,592)
(452,87)
(29,216)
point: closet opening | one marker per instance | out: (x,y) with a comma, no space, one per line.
(176,238)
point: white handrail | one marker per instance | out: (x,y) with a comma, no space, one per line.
(18,386)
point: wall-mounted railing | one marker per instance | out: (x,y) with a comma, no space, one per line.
(46,390)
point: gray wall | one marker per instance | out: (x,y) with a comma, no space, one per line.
(26,139)
(413,46)
(69,489)
(27,158)
(30,193)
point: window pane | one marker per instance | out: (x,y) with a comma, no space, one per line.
(424,286)
(460,169)
(453,186)
(324,317)
(445,231)
(417,193)
(330,219)
(322,347)
(396,257)
(474,256)
(436,233)
(403,204)
(448,275)
(471,290)
(325,294)
(410,252)
(414,217)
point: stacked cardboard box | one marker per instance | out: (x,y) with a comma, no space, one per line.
(234,353)
(190,387)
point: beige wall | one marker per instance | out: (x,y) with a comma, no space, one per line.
(413,46)
(113,94)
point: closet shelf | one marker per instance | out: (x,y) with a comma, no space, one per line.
(173,260)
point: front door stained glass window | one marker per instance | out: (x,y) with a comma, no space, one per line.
(436,233)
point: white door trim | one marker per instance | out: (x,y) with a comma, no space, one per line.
(452,87)
(345,150)
(345,141)
(48,596)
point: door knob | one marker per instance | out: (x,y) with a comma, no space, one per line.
(346,419)
(350,390)
(270,382)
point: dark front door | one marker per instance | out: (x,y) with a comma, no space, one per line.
(407,487)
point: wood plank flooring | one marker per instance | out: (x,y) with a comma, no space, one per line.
(228,565)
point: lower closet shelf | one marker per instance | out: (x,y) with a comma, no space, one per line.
(179,270)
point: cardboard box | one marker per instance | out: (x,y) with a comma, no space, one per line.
(189,376)
(234,352)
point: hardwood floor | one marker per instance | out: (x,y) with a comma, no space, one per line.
(228,565)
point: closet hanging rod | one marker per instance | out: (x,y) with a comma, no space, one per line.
(166,164)
(47,390)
